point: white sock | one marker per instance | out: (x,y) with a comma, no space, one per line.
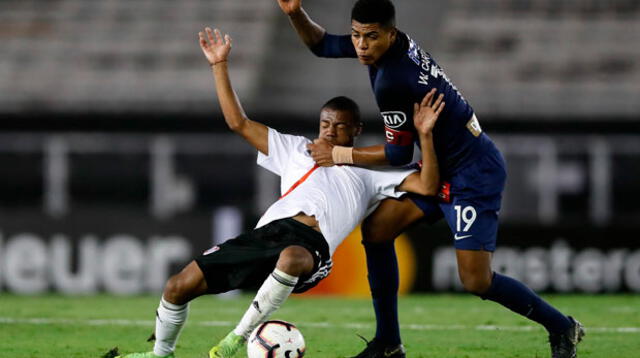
(271,295)
(169,321)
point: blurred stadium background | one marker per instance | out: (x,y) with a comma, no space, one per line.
(116,167)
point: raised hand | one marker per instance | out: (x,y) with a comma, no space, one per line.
(290,7)
(214,47)
(426,113)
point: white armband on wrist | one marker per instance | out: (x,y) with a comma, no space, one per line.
(342,155)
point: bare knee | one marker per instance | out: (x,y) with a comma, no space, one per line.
(389,220)
(476,282)
(474,268)
(174,290)
(186,285)
(295,261)
(372,233)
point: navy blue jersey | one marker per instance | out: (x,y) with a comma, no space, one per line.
(402,77)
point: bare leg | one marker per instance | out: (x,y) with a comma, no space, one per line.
(173,309)
(474,269)
(389,220)
(185,286)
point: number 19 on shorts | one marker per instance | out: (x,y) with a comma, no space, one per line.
(466,216)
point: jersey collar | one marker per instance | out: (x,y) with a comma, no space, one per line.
(398,49)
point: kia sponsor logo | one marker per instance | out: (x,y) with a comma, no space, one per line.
(394,119)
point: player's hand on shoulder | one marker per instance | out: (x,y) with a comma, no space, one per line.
(290,7)
(216,48)
(321,152)
(425,114)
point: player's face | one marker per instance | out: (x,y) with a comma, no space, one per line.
(371,41)
(338,127)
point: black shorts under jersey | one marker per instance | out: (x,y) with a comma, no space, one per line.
(247,260)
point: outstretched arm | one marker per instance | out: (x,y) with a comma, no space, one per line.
(314,36)
(216,50)
(425,115)
(309,32)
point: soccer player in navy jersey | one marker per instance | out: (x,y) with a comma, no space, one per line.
(471,167)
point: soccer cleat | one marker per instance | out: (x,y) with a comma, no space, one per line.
(564,345)
(228,346)
(376,349)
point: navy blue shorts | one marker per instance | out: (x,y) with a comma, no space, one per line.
(472,212)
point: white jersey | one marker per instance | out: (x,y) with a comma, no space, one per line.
(339,196)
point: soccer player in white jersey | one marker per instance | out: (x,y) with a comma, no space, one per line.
(290,249)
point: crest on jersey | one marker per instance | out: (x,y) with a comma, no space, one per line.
(413,52)
(394,119)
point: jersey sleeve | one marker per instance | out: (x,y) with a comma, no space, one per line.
(280,147)
(334,46)
(396,108)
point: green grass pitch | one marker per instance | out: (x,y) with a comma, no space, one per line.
(439,326)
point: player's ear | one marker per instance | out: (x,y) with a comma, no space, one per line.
(358,129)
(393,33)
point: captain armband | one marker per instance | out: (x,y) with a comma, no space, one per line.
(342,155)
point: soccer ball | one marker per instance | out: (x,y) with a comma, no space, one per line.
(276,339)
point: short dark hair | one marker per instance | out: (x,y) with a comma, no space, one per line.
(374,11)
(342,103)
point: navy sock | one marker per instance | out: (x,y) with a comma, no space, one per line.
(520,299)
(384,281)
